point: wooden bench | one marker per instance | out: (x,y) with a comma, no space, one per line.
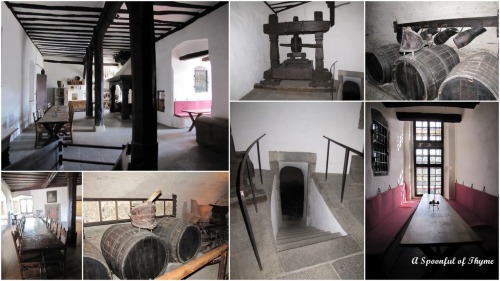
(179,106)
(213,133)
(476,207)
(386,215)
(50,157)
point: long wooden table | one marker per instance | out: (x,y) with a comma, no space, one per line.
(38,238)
(198,112)
(6,133)
(432,228)
(53,120)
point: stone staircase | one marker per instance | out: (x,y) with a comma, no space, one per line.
(293,235)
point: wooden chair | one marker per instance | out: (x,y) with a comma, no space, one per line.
(39,131)
(53,227)
(30,265)
(59,256)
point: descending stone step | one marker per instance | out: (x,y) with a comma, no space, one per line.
(282,235)
(302,237)
(307,241)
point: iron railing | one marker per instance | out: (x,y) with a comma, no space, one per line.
(241,194)
(348,150)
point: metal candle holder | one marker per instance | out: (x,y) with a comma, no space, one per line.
(434,203)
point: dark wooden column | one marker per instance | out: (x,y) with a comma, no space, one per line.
(98,88)
(142,47)
(112,89)
(72,181)
(89,80)
(125,106)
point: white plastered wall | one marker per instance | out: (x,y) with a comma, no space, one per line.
(250,46)
(380,16)
(297,127)
(21,61)
(8,198)
(477,148)
(213,27)
(205,187)
(61,71)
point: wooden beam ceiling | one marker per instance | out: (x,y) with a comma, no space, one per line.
(22,181)
(61,28)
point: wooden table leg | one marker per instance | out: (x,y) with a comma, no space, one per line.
(222,266)
(437,255)
(53,130)
(193,119)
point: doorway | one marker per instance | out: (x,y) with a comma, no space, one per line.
(292,193)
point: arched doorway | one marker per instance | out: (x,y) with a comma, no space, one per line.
(292,193)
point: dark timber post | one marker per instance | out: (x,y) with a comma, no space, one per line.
(125,105)
(72,181)
(98,48)
(142,48)
(89,105)
(112,89)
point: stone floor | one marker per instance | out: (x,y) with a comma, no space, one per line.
(178,149)
(301,92)
(341,258)
(380,92)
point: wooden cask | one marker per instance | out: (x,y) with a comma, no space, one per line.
(94,264)
(476,78)
(379,63)
(418,76)
(183,239)
(133,253)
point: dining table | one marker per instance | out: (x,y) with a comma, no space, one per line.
(37,237)
(198,112)
(438,231)
(6,134)
(53,120)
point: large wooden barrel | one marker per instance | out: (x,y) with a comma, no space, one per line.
(133,253)
(379,63)
(418,76)
(476,78)
(94,264)
(183,239)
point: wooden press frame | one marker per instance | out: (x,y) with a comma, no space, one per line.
(88,202)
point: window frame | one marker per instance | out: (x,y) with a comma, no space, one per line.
(428,145)
(379,130)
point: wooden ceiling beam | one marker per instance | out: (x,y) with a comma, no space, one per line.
(57,25)
(38,29)
(180,5)
(56,8)
(64,62)
(50,177)
(202,14)
(58,15)
(194,55)
(24,20)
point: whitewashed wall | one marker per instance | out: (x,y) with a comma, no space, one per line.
(213,27)
(249,46)
(184,72)
(60,71)
(380,16)
(477,147)
(19,69)
(205,187)
(320,215)
(297,127)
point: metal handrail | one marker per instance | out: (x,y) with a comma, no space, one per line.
(240,194)
(348,150)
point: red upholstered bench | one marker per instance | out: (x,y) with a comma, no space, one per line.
(386,214)
(477,208)
(179,106)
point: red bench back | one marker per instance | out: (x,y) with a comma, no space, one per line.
(481,203)
(382,205)
(179,106)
